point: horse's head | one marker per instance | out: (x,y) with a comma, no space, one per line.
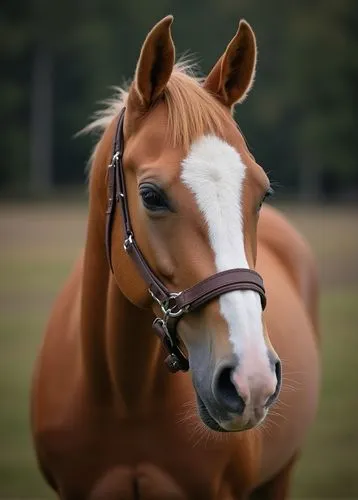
(195,194)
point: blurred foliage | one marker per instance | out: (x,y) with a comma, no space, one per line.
(298,120)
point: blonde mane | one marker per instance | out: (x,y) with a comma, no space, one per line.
(192,111)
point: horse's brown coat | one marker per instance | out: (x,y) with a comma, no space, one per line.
(109,421)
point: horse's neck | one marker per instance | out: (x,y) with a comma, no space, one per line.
(134,353)
(121,354)
(93,311)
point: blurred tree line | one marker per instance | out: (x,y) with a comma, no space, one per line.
(59,58)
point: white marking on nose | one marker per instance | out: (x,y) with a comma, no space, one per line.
(255,390)
(215,173)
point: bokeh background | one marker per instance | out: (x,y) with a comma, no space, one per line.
(57,60)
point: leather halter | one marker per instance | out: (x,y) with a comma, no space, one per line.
(173,305)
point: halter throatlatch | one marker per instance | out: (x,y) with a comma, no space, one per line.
(173,305)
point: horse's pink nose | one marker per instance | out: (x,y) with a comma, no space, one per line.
(233,391)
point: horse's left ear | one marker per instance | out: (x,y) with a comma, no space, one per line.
(232,76)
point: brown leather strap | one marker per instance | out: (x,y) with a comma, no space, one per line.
(219,283)
(155,286)
(110,212)
(113,167)
(118,193)
(173,305)
(176,360)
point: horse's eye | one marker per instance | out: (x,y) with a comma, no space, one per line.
(153,198)
(268,194)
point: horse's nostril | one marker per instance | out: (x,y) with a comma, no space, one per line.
(278,373)
(226,393)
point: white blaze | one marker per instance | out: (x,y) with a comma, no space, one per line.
(215,173)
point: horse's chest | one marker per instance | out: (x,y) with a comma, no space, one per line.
(141,463)
(143,482)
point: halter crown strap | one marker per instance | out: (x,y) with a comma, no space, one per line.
(173,305)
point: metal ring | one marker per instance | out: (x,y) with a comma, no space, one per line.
(168,311)
(164,305)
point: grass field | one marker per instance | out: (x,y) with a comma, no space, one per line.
(38,246)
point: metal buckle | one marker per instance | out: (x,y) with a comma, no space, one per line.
(128,242)
(165,305)
(115,157)
(176,360)
(167,338)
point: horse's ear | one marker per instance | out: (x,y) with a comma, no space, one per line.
(232,76)
(155,63)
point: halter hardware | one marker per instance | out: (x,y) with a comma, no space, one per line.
(128,241)
(173,305)
(170,312)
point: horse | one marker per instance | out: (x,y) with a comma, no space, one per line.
(178,233)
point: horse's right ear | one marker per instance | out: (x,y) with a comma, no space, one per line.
(232,76)
(155,65)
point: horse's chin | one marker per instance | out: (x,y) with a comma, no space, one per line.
(227,426)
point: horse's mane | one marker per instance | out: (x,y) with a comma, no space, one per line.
(192,111)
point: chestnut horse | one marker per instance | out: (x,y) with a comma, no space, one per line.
(108,419)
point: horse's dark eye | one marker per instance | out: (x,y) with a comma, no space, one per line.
(153,198)
(268,194)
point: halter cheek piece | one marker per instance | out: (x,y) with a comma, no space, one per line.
(173,305)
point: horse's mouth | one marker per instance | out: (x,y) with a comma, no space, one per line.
(232,426)
(207,418)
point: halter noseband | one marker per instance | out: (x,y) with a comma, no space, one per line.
(173,305)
